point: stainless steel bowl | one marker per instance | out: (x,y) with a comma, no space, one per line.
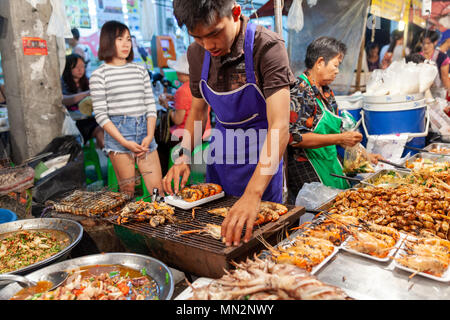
(157,270)
(73,229)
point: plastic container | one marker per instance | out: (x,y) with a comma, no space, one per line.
(395,115)
(7,216)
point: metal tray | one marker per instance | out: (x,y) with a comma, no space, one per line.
(438,146)
(426,155)
(72,228)
(373,177)
(155,269)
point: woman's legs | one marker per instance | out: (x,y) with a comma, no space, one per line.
(150,168)
(123,164)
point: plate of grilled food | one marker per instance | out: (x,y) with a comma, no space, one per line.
(427,256)
(373,241)
(195,195)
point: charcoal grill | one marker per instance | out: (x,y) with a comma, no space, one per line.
(200,254)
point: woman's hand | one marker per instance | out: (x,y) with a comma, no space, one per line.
(374,157)
(145,144)
(134,147)
(350,138)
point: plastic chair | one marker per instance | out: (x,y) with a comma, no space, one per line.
(113,184)
(91,158)
(198,174)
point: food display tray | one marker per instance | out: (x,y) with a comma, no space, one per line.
(438,146)
(375,176)
(289,242)
(445,277)
(368,256)
(179,203)
(425,155)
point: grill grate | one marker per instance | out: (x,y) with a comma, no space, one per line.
(89,203)
(202,217)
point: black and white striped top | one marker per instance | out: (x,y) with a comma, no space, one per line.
(121,90)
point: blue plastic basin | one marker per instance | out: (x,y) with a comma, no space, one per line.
(7,216)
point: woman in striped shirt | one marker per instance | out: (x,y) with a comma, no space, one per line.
(125,108)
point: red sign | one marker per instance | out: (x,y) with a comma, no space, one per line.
(34,46)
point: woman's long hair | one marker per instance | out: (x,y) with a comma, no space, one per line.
(71,62)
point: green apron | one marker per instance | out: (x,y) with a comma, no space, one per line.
(324,160)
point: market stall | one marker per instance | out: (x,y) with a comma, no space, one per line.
(386,241)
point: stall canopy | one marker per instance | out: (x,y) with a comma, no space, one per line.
(267,10)
(440,15)
(343,20)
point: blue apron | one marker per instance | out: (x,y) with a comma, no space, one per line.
(241,129)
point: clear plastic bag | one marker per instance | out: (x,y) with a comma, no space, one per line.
(313,195)
(348,122)
(295,16)
(356,160)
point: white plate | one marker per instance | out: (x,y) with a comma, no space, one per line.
(174,201)
(445,277)
(365,255)
(325,261)
(288,243)
(187,293)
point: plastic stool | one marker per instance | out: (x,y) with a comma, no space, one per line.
(113,184)
(91,158)
(195,177)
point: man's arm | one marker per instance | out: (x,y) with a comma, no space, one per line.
(246,208)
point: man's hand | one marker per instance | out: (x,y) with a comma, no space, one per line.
(243,212)
(350,138)
(180,168)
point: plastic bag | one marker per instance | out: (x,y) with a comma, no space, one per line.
(440,122)
(295,16)
(69,127)
(356,160)
(313,195)
(348,122)
(62,180)
(391,81)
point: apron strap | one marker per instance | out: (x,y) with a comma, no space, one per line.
(248,52)
(305,78)
(206,63)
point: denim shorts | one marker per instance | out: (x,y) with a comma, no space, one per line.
(132,129)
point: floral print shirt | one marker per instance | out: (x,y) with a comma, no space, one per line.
(305,111)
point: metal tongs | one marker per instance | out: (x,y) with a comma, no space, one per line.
(40,156)
(398,166)
(352,179)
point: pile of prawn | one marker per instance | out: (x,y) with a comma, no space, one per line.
(266,280)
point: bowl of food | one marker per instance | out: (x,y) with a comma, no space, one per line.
(30,244)
(107,276)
